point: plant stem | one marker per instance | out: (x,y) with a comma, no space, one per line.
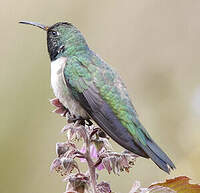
(92,171)
(91,166)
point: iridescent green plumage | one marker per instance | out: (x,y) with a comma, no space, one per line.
(98,90)
(86,69)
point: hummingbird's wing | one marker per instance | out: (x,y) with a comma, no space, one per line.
(102,94)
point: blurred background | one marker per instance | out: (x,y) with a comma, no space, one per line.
(153,44)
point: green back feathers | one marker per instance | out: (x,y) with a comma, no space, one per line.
(85,69)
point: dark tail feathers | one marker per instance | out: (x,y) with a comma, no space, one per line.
(158,156)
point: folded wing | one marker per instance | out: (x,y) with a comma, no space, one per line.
(112,110)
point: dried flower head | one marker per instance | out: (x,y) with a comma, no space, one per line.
(96,151)
(103,187)
(77,183)
(117,162)
(60,109)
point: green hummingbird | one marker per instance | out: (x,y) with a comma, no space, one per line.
(91,89)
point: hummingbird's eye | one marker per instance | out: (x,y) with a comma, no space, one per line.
(54,33)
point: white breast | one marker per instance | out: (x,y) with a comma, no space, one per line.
(60,89)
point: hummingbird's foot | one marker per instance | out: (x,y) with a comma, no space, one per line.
(73,119)
(82,121)
(99,133)
(102,134)
(89,122)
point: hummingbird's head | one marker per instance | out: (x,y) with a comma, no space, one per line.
(62,37)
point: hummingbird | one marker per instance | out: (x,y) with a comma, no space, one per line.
(91,90)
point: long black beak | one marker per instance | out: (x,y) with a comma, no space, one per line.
(35,24)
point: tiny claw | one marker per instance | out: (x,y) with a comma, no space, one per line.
(89,122)
(93,132)
(102,134)
(74,119)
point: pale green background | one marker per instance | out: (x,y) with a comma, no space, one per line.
(153,44)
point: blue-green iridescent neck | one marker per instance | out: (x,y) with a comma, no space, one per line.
(75,46)
(65,40)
